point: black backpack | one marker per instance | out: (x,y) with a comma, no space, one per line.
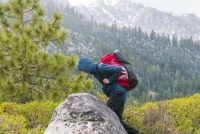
(132,77)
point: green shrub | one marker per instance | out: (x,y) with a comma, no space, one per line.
(101,96)
(177,116)
(185,114)
(31,118)
(12,123)
(37,113)
(7,107)
(169,117)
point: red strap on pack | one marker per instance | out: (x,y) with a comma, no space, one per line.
(111,59)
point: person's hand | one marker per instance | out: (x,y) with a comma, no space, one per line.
(106,81)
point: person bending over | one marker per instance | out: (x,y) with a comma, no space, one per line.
(107,75)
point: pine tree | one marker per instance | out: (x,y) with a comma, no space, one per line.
(174,40)
(27,71)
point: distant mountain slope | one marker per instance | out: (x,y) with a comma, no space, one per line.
(167,67)
(127,13)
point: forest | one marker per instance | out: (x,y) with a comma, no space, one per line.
(166,65)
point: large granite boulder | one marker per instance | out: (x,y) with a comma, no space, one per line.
(84,114)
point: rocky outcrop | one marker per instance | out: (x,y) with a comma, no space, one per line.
(84,114)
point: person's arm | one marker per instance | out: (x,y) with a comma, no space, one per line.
(114,72)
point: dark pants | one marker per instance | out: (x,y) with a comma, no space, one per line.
(116,103)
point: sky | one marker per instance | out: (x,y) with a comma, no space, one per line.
(174,6)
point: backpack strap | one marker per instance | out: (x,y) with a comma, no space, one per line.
(98,73)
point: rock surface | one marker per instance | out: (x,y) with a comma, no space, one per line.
(84,114)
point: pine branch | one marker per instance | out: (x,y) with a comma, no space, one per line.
(53,40)
(27,21)
(36,1)
(6,47)
(38,85)
(21,18)
(33,83)
(16,69)
(45,77)
(18,81)
(64,88)
(33,67)
(11,27)
(54,23)
(29,9)
(36,41)
(4,67)
(9,16)
(2,121)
